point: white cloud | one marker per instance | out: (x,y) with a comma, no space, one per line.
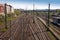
(53,6)
(30,6)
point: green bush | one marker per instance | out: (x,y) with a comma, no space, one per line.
(1,18)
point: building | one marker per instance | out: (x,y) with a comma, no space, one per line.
(1,9)
(9,9)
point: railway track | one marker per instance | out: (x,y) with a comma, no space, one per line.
(10,32)
(44,29)
(54,29)
(25,29)
(30,30)
(50,20)
(40,30)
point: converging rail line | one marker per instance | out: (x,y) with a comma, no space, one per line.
(26,29)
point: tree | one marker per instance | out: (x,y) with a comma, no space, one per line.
(17,11)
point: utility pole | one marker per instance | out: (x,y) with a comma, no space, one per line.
(5,16)
(33,8)
(33,13)
(48,13)
(11,37)
(26,11)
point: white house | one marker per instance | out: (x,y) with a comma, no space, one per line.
(9,9)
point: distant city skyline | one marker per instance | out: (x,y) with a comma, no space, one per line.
(28,4)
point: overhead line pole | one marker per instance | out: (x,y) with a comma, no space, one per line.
(5,16)
(33,8)
(33,13)
(48,13)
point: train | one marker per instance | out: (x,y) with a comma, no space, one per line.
(56,19)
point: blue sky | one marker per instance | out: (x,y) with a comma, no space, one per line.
(28,4)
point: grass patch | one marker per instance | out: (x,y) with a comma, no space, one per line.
(4,30)
(1,23)
(51,36)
